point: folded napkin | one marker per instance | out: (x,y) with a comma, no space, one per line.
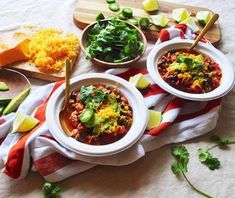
(37,150)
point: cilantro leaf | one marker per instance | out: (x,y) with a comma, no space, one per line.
(181,155)
(208,159)
(50,190)
(216,139)
(180,164)
(175,167)
(85,92)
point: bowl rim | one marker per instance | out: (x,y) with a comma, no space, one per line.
(137,129)
(110,64)
(159,49)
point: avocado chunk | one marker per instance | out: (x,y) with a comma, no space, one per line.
(3,86)
(16,101)
(86,115)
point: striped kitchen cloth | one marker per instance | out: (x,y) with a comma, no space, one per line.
(37,150)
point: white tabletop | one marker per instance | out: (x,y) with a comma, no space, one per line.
(150,176)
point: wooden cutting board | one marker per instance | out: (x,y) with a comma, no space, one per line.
(31,70)
(85,13)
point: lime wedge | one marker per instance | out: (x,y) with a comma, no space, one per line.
(3,86)
(203,16)
(24,123)
(16,101)
(191,23)
(150,5)
(155,118)
(139,81)
(160,20)
(180,14)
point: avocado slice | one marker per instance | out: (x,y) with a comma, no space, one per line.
(3,86)
(16,101)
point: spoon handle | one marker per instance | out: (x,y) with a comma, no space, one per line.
(205,29)
(67,80)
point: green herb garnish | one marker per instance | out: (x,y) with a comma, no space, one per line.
(192,64)
(121,16)
(180,164)
(50,190)
(114,41)
(100,16)
(207,158)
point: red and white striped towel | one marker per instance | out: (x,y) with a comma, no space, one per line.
(38,150)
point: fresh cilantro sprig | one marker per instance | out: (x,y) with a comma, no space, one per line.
(180,165)
(209,159)
(50,190)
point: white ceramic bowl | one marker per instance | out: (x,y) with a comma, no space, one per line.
(134,97)
(227,80)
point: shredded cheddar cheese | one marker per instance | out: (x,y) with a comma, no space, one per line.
(49,48)
(108,112)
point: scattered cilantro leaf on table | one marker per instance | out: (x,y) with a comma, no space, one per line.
(50,190)
(180,165)
(207,158)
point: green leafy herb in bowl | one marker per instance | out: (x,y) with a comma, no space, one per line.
(113,43)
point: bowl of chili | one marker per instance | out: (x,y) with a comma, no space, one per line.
(201,75)
(103,115)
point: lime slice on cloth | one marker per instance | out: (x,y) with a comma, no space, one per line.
(139,81)
(24,123)
(155,118)
(191,23)
(3,86)
(203,16)
(150,5)
(180,14)
(160,20)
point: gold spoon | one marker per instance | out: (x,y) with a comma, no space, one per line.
(205,30)
(64,112)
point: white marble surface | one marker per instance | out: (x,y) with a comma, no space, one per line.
(150,176)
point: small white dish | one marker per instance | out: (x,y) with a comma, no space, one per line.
(134,97)
(227,80)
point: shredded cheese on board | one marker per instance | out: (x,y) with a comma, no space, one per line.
(49,49)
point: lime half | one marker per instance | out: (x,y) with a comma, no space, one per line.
(139,81)
(160,20)
(203,17)
(180,14)
(191,23)
(24,123)
(155,118)
(150,5)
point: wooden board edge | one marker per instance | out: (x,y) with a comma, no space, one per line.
(152,37)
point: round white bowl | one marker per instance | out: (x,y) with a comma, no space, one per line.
(134,97)
(227,80)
